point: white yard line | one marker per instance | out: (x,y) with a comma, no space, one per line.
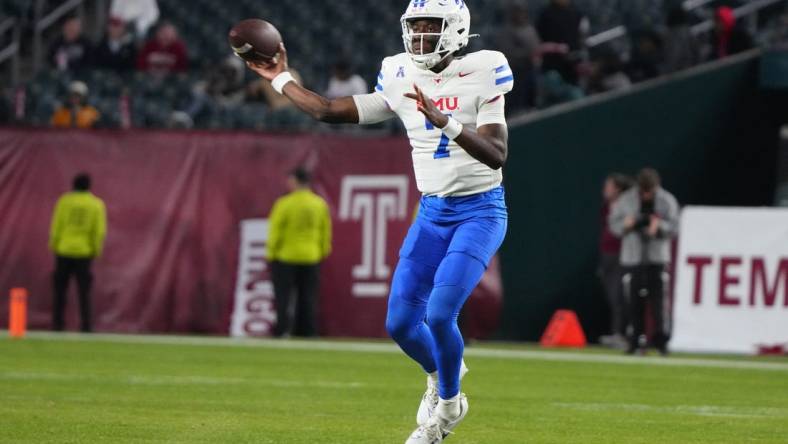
(172,380)
(633,360)
(695,410)
(382,347)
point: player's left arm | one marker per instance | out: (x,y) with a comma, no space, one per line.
(489,144)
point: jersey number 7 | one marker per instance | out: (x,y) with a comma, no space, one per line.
(443,145)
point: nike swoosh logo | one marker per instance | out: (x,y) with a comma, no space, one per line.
(465,74)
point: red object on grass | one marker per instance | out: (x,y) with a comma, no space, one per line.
(564,330)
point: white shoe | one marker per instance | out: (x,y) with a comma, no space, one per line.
(437,429)
(430,399)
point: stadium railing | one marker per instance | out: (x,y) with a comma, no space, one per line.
(748,11)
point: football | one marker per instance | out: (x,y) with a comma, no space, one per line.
(255,40)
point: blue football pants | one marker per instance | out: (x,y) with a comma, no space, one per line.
(440,265)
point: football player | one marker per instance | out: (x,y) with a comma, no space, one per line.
(453,109)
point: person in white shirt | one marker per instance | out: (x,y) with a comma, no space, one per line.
(344,82)
(141,13)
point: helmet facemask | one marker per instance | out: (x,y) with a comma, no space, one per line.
(443,42)
(455,19)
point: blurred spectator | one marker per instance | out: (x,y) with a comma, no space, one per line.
(224,85)
(646,219)
(261,90)
(5,108)
(561,28)
(116,50)
(79,225)
(299,238)
(609,265)
(344,82)
(681,47)
(728,37)
(647,56)
(777,36)
(76,113)
(142,14)
(607,73)
(165,53)
(71,51)
(180,120)
(555,90)
(520,42)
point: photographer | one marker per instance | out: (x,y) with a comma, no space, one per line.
(646,220)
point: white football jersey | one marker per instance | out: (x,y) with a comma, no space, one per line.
(471,90)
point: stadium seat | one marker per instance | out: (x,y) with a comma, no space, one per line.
(316,37)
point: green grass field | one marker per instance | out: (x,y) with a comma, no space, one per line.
(108,389)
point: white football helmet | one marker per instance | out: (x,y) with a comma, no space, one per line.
(454,35)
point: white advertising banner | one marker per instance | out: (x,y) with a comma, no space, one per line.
(731,280)
(254,313)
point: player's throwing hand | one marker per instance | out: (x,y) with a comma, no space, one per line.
(276,66)
(426,106)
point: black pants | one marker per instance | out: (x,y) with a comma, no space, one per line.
(295,316)
(64,268)
(645,285)
(610,273)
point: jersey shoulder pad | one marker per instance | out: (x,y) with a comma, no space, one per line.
(498,78)
(392,78)
(401,59)
(391,70)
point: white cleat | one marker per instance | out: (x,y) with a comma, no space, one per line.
(437,429)
(429,402)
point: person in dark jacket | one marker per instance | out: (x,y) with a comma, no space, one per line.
(116,51)
(610,271)
(520,42)
(559,27)
(647,56)
(681,47)
(5,109)
(71,51)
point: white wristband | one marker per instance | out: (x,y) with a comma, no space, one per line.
(281,80)
(453,129)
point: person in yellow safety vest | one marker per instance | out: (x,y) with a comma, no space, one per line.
(299,238)
(79,225)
